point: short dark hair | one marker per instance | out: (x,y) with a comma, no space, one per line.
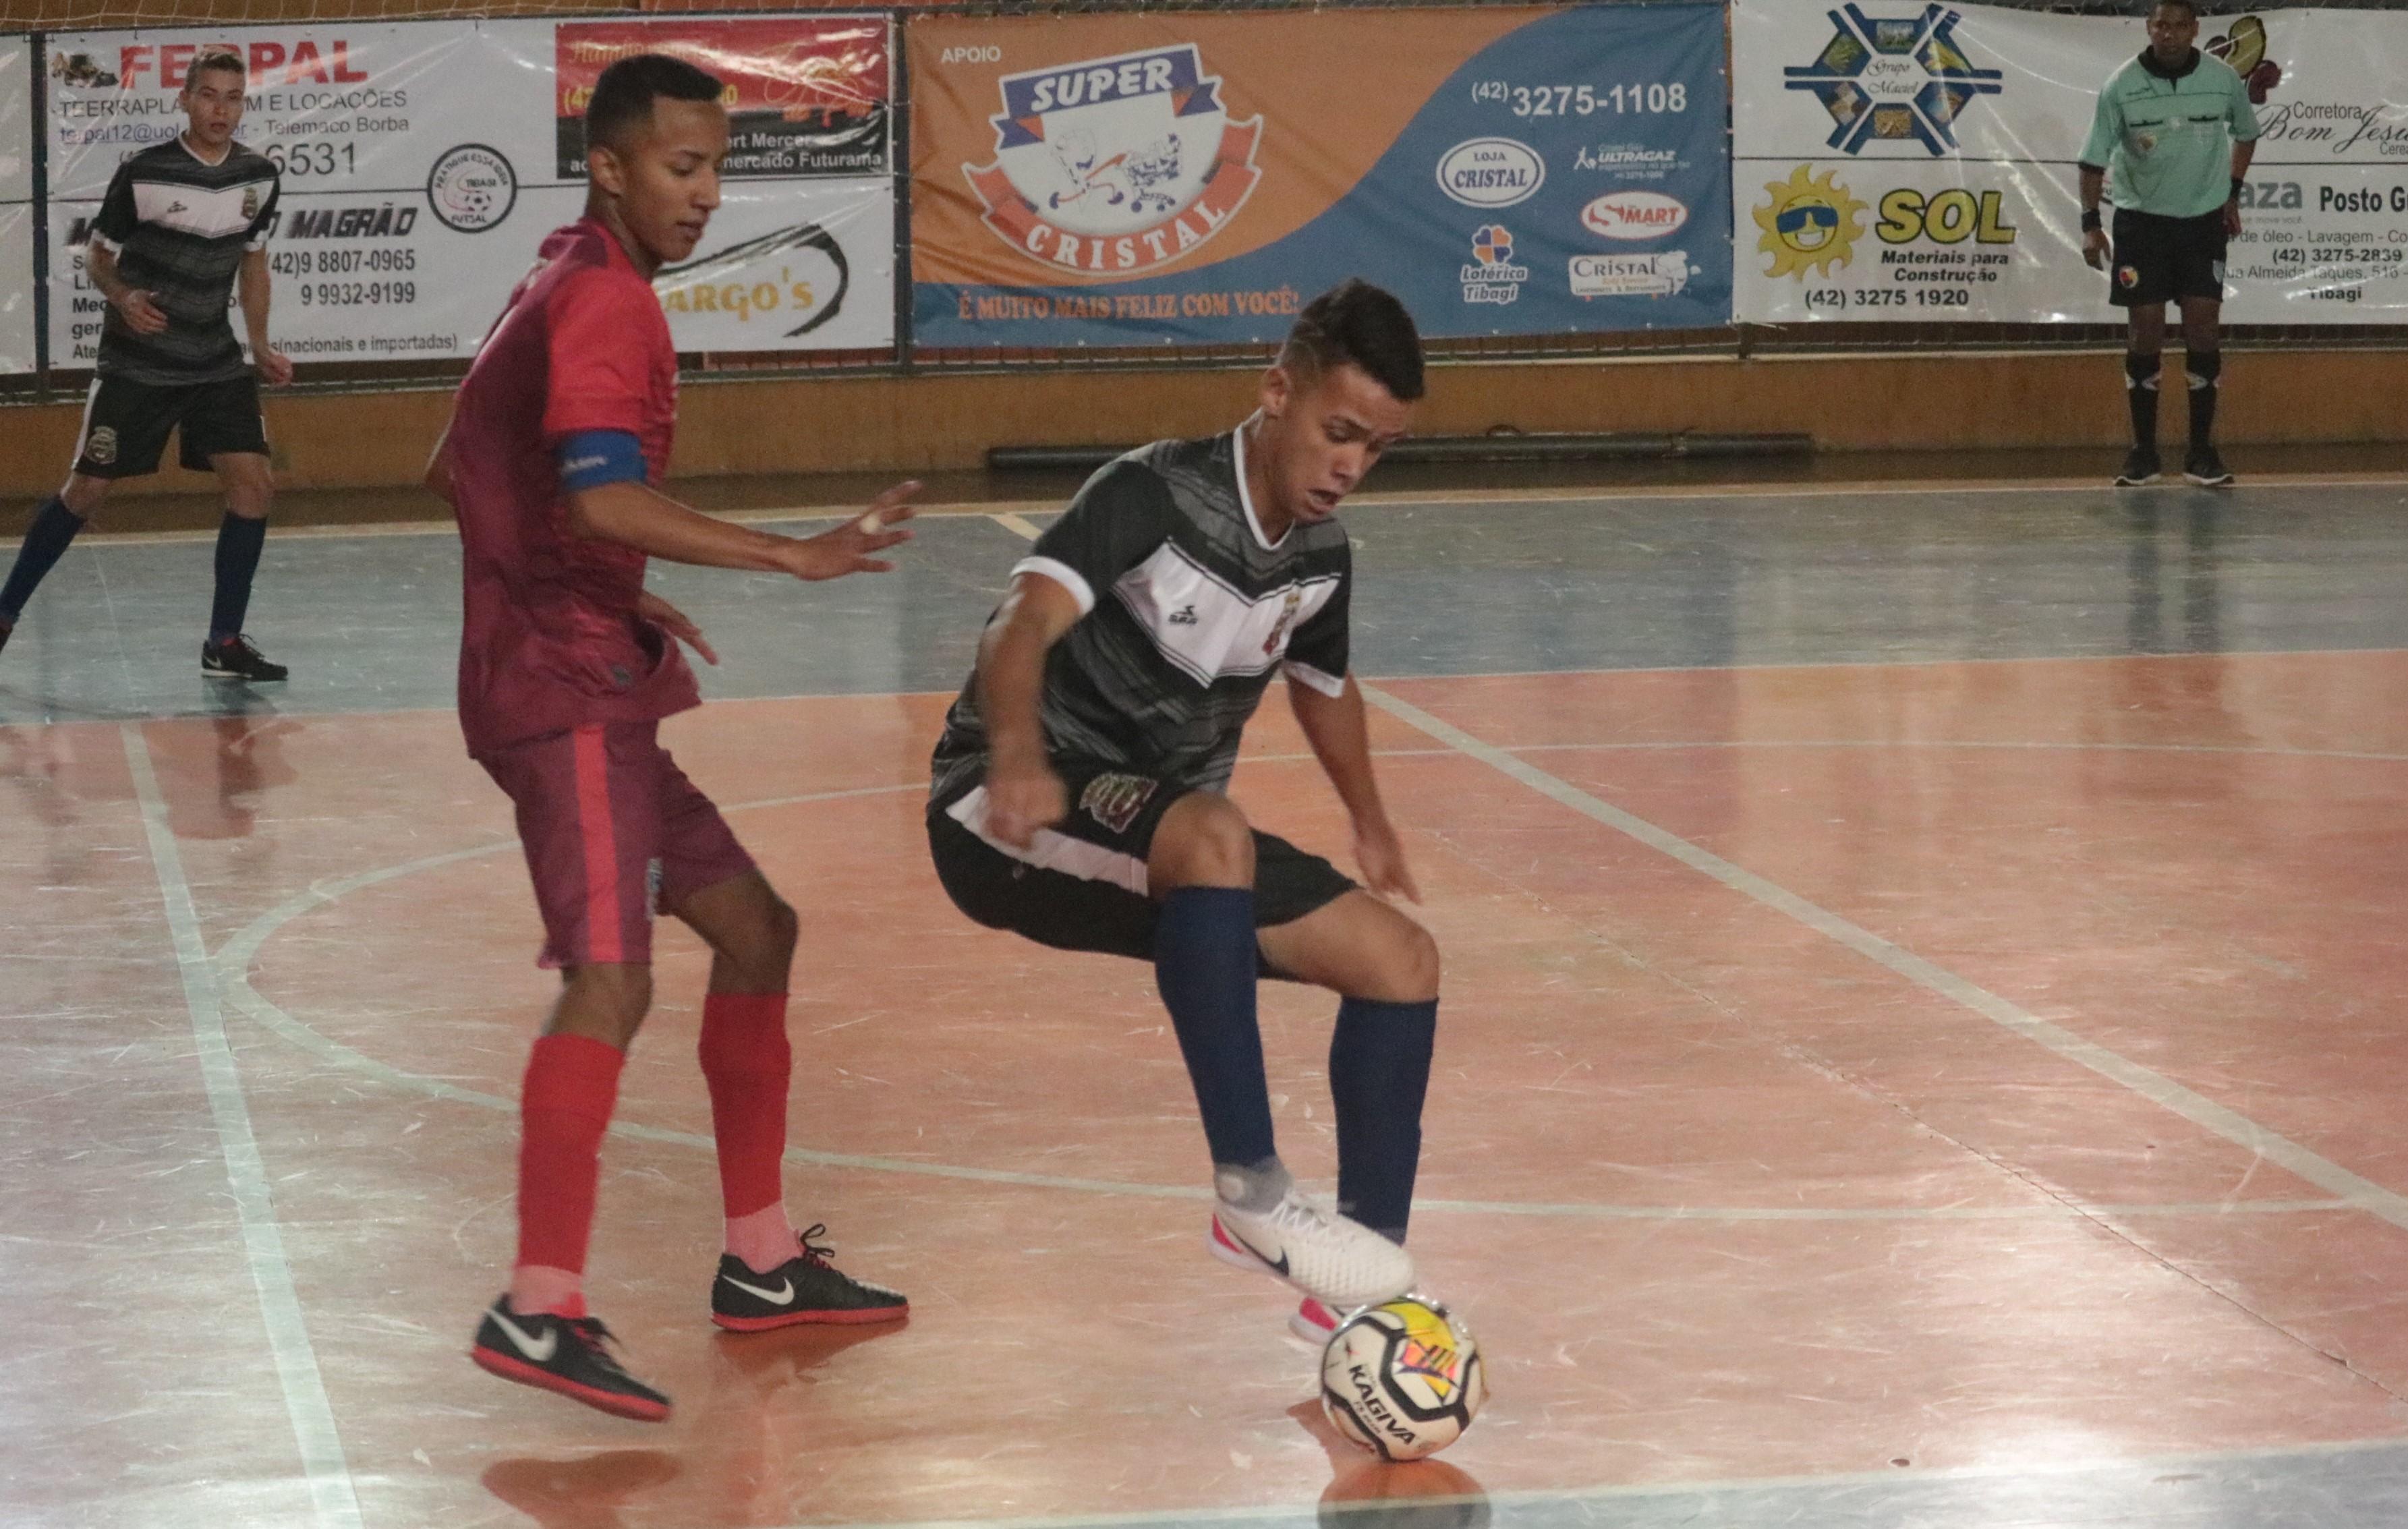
(1357,323)
(623,96)
(225,59)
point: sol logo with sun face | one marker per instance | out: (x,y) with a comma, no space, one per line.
(1115,165)
(1811,222)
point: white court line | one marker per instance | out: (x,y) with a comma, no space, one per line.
(233,965)
(279,1305)
(1866,1491)
(1007,509)
(2360,1193)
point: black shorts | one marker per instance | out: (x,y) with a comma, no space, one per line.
(1082,885)
(125,424)
(2164,259)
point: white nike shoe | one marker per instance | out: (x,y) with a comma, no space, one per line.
(1340,1263)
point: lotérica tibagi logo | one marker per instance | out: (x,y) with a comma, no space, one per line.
(1894,79)
(1115,165)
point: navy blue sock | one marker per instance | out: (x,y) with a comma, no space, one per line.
(54,526)
(1205,967)
(239,544)
(1379,1074)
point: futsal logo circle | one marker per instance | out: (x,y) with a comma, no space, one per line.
(472,187)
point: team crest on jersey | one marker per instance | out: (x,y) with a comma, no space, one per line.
(1116,800)
(1115,165)
(102,447)
(1288,607)
(250,202)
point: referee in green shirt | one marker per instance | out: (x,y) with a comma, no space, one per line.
(2169,144)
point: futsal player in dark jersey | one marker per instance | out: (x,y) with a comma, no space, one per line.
(567,665)
(1080,790)
(182,222)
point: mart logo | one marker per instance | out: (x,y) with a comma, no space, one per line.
(1894,79)
(1115,165)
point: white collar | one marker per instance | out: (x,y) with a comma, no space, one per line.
(183,141)
(1246,499)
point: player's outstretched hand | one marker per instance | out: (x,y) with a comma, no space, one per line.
(676,622)
(846,550)
(275,366)
(1381,856)
(2095,250)
(1023,798)
(140,314)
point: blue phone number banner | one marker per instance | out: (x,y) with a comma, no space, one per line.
(1141,181)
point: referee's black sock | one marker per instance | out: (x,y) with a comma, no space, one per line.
(1379,1074)
(54,526)
(2206,368)
(1205,965)
(240,541)
(2140,388)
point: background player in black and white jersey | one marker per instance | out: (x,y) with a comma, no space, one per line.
(181,223)
(1079,793)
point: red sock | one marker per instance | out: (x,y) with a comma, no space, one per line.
(746,1060)
(564,1105)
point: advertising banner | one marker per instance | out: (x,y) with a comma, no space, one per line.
(16,206)
(1182,179)
(423,164)
(1911,162)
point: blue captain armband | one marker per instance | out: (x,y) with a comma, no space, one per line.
(593,458)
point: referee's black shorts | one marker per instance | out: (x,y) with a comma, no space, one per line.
(1082,885)
(125,424)
(2164,260)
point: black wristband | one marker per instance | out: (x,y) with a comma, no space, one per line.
(2090,219)
(2237,184)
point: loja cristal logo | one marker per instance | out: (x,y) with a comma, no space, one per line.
(1115,165)
(1631,216)
(1491,172)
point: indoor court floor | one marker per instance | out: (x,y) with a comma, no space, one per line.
(1923,1046)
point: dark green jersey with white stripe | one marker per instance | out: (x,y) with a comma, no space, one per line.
(180,227)
(1188,611)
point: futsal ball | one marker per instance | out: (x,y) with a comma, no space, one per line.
(1402,1378)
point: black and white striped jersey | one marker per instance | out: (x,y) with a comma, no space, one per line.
(1188,611)
(180,227)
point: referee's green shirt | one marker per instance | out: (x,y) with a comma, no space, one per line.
(2166,140)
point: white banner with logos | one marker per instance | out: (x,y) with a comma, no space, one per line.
(16,206)
(425,162)
(1911,162)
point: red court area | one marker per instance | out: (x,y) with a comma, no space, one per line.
(2088,1148)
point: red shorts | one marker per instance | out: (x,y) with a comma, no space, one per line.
(612,828)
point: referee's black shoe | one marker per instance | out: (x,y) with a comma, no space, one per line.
(235,658)
(2140,466)
(2203,467)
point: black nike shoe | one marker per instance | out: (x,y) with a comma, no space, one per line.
(2203,467)
(2140,466)
(564,1354)
(805,1288)
(235,658)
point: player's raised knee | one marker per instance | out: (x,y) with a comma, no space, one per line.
(1204,841)
(1418,966)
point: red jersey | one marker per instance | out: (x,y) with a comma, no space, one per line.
(551,638)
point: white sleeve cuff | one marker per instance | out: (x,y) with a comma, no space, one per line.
(1062,574)
(1332,686)
(96,238)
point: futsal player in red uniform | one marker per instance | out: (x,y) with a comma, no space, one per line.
(567,666)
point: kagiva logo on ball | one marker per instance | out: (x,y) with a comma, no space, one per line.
(1402,1378)
(1115,165)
